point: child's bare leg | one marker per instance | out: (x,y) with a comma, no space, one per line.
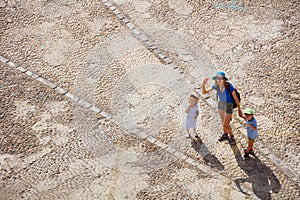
(188,133)
(195,132)
(250,145)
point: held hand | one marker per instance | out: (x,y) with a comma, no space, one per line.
(195,117)
(241,114)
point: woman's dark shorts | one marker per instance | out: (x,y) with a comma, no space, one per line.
(227,107)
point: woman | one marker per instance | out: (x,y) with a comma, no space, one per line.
(225,103)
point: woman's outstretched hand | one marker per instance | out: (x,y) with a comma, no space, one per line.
(205,81)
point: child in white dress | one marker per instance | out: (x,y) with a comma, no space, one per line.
(192,114)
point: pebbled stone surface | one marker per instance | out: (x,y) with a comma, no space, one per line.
(130,66)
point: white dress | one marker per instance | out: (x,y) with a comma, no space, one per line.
(190,121)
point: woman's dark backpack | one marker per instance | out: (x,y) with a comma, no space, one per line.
(237,94)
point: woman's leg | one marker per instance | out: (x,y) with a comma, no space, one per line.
(222,116)
(226,124)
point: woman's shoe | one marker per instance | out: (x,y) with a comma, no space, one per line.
(232,141)
(223,137)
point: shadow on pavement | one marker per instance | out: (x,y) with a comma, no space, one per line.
(208,158)
(260,176)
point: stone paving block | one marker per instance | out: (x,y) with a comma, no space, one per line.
(161,144)
(132,131)
(191,161)
(168,60)
(145,39)
(108,4)
(95,109)
(60,90)
(125,20)
(21,69)
(121,16)
(112,8)
(141,135)
(84,103)
(3,59)
(105,114)
(46,82)
(72,96)
(264,150)
(157,51)
(150,45)
(287,172)
(180,71)
(35,76)
(170,150)
(12,64)
(153,47)
(136,31)
(180,155)
(161,56)
(151,139)
(130,25)
(117,11)
(29,73)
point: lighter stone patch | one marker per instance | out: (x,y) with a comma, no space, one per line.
(120,1)
(8,161)
(60,140)
(57,49)
(111,183)
(141,6)
(121,160)
(44,140)
(256,100)
(96,26)
(46,123)
(22,108)
(180,6)
(265,31)
(123,44)
(210,188)
(42,124)
(146,97)
(2,4)
(239,30)
(268,123)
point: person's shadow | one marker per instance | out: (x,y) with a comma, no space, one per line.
(208,158)
(260,176)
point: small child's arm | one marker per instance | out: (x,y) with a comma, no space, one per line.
(197,114)
(251,126)
(188,109)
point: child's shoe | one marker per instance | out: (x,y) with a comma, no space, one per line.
(246,155)
(188,135)
(223,137)
(232,141)
(251,152)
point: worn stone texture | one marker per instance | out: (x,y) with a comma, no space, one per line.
(105,117)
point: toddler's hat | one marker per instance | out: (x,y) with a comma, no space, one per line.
(248,111)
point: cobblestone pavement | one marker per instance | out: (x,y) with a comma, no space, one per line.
(93,96)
